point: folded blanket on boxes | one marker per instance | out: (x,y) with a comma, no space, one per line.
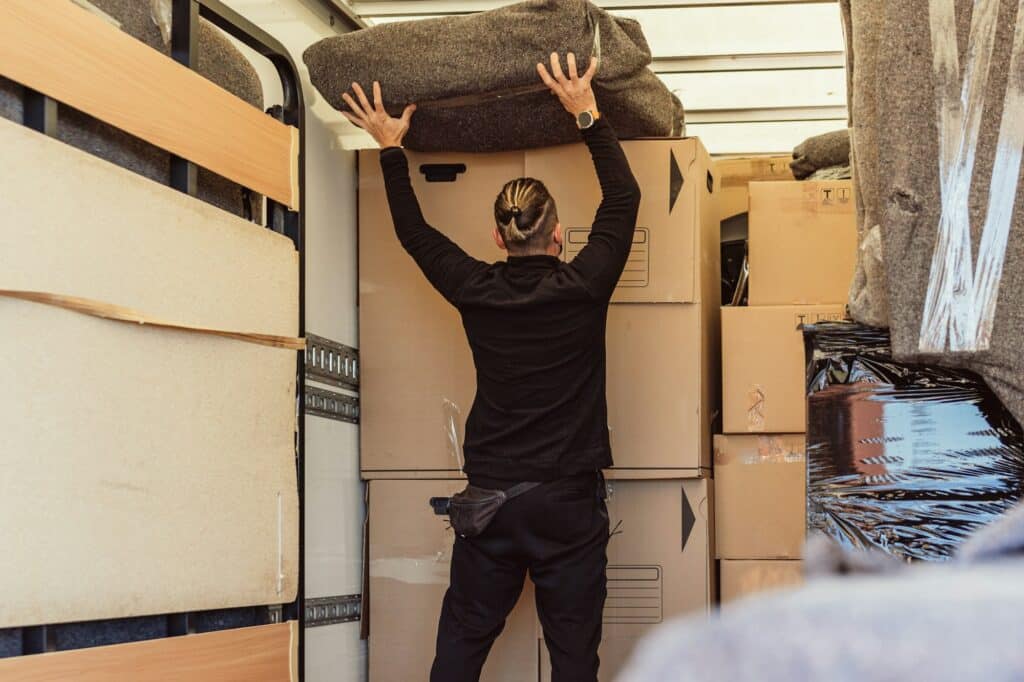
(474,78)
(941,115)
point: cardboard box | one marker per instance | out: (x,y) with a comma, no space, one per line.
(662,359)
(803,242)
(409,564)
(659,563)
(745,578)
(763,383)
(735,174)
(760,496)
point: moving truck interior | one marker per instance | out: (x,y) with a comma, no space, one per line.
(234,434)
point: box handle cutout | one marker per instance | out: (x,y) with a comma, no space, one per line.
(711,183)
(442,172)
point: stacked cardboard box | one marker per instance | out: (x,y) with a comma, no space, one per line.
(417,386)
(802,251)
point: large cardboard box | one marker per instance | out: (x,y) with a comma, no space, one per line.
(745,578)
(659,562)
(735,174)
(802,243)
(662,346)
(763,384)
(410,552)
(760,496)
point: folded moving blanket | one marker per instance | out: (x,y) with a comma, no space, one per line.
(937,94)
(474,78)
(819,152)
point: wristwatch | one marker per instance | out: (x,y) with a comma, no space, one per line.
(586,119)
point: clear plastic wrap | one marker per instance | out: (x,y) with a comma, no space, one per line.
(908,459)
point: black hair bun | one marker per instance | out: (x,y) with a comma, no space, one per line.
(516,211)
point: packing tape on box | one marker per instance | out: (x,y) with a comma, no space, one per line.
(452,419)
(960,304)
(770,450)
(109,311)
(420,570)
(755,408)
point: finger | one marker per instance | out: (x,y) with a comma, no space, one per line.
(407,114)
(378,98)
(352,105)
(591,70)
(573,74)
(354,119)
(556,89)
(362,97)
(556,69)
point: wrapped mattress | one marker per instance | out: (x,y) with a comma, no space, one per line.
(938,103)
(902,458)
(217,60)
(474,78)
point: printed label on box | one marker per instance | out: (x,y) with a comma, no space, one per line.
(634,595)
(637,272)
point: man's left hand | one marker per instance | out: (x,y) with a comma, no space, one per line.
(385,129)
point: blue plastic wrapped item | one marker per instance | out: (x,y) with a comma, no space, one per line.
(908,459)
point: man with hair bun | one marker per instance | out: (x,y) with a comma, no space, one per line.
(536,327)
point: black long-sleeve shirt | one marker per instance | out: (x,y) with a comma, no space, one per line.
(536,327)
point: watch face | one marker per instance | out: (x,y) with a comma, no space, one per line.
(585,119)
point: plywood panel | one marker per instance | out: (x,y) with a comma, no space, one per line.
(88,228)
(267,653)
(145,470)
(76,57)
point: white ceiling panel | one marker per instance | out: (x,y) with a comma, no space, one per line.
(775,137)
(741,30)
(759,89)
(412,7)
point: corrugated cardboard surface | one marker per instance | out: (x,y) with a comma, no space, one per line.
(763,384)
(659,562)
(415,359)
(760,496)
(410,562)
(159,464)
(656,415)
(803,242)
(742,579)
(735,174)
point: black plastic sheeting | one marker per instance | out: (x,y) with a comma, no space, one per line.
(907,459)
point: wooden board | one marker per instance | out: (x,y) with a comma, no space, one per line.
(77,58)
(267,653)
(145,470)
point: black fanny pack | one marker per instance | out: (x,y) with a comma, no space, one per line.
(473,509)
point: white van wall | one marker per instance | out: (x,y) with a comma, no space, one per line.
(334,493)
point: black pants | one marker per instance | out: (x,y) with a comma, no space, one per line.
(559,533)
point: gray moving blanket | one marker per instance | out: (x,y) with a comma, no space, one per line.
(817,153)
(474,78)
(941,113)
(217,60)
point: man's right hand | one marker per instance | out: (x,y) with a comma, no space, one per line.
(574,91)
